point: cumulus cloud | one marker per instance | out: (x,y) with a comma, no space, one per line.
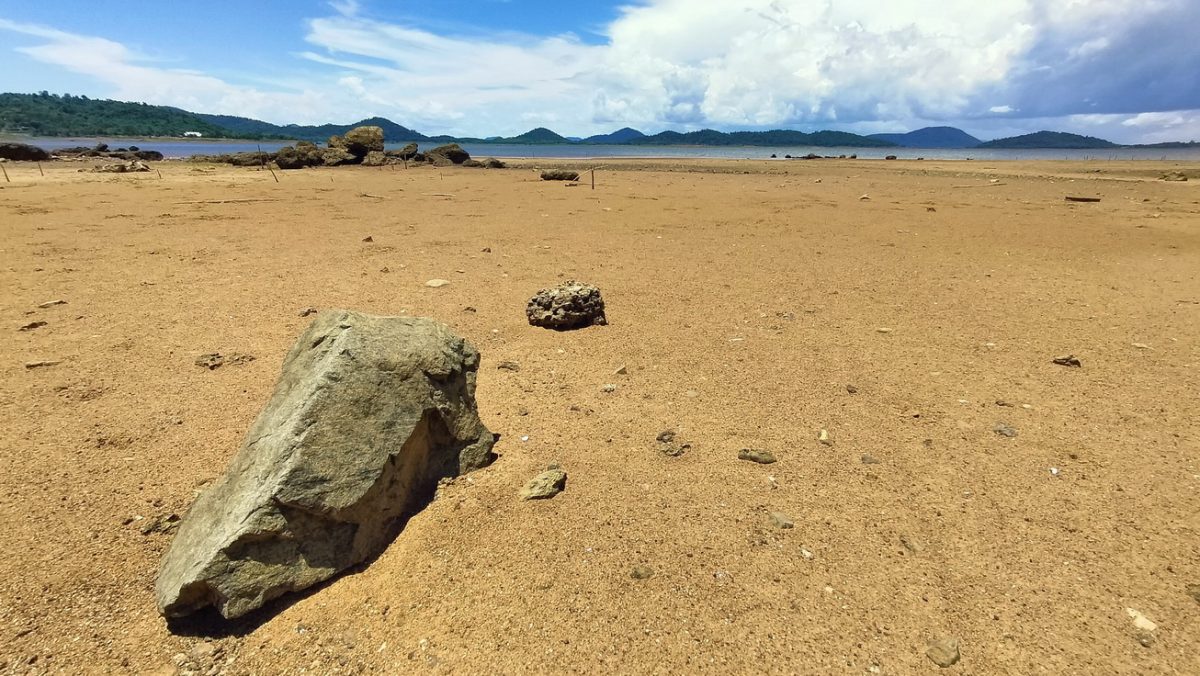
(854,64)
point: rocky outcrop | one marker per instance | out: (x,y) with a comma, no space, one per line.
(122,167)
(560,175)
(570,305)
(368,414)
(362,140)
(493,163)
(22,152)
(333,157)
(303,154)
(451,153)
(407,152)
(375,158)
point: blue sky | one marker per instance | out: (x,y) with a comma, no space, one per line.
(1121,69)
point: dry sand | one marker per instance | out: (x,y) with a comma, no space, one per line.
(744,298)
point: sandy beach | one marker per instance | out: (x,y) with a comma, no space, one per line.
(966,487)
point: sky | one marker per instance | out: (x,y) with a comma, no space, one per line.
(1126,70)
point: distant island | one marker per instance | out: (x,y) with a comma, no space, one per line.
(46,114)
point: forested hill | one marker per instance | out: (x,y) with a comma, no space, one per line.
(48,114)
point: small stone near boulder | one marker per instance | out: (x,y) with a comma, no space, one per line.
(509,366)
(407,152)
(756,455)
(216,360)
(570,305)
(436,283)
(368,415)
(1175,176)
(560,175)
(545,485)
(474,164)
(334,157)
(450,153)
(375,158)
(944,652)
(22,152)
(493,163)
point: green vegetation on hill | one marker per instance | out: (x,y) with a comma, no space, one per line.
(48,114)
(1057,140)
(776,137)
(250,128)
(931,137)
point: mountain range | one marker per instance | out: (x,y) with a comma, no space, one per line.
(46,114)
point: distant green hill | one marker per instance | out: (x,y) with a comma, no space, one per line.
(777,137)
(1057,140)
(931,137)
(539,136)
(48,114)
(250,128)
(619,136)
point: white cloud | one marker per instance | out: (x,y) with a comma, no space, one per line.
(853,64)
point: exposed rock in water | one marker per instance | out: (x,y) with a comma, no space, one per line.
(22,152)
(368,414)
(451,153)
(570,305)
(560,175)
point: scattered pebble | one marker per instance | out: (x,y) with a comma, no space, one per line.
(641,572)
(41,364)
(216,360)
(52,303)
(852,389)
(756,455)
(1004,430)
(805,553)
(469,309)
(864,198)
(911,544)
(31,326)
(486,249)
(1054,471)
(1193,590)
(1068,360)
(436,283)
(368,238)
(308,312)
(944,652)
(781,520)
(824,438)
(621,370)
(545,485)
(691,393)
(609,388)
(1141,346)
(883,329)
(868,459)
(509,366)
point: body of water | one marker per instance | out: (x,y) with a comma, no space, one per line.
(179,148)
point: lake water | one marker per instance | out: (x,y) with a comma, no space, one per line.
(177,148)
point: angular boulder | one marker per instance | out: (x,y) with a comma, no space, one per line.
(375,158)
(570,305)
(560,175)
(367,416)
(332,157)
(22,152)
(407,152)
(303,154)
(451,153)
(362,140)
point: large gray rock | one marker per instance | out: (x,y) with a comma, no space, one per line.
(367,416)
(362,140)
(570,305)
(451,153)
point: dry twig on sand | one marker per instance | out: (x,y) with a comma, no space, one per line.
(233,201)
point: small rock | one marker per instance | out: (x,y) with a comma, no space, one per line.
(1141,346)
(308,312)
(368,238)
(868,459)
(944,652)
(41,364)
(1001,402)
(756,455)
(852,389)
(609,388)
(691,394)
(781,520)
(545,485)
(486,249)
(824,438)
(665,436)
(864,198)
(436,283)
(883,329)
(469,309)
(560,175)
(621,370)
(1140,621)
(570,305)
(509,366)
(911,544)
(1004,430)
(216,360)
(31,326)
(674,450)
(1068,360)
(1193,590)
(641,572)
(52,303)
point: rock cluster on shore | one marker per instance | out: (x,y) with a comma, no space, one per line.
(361,145)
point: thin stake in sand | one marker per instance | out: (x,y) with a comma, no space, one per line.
(6,178)
(262,159)
(40,170)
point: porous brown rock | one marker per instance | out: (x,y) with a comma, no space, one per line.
(368,414)
(570,305)
(450,153)
(560,175)
(22,152)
